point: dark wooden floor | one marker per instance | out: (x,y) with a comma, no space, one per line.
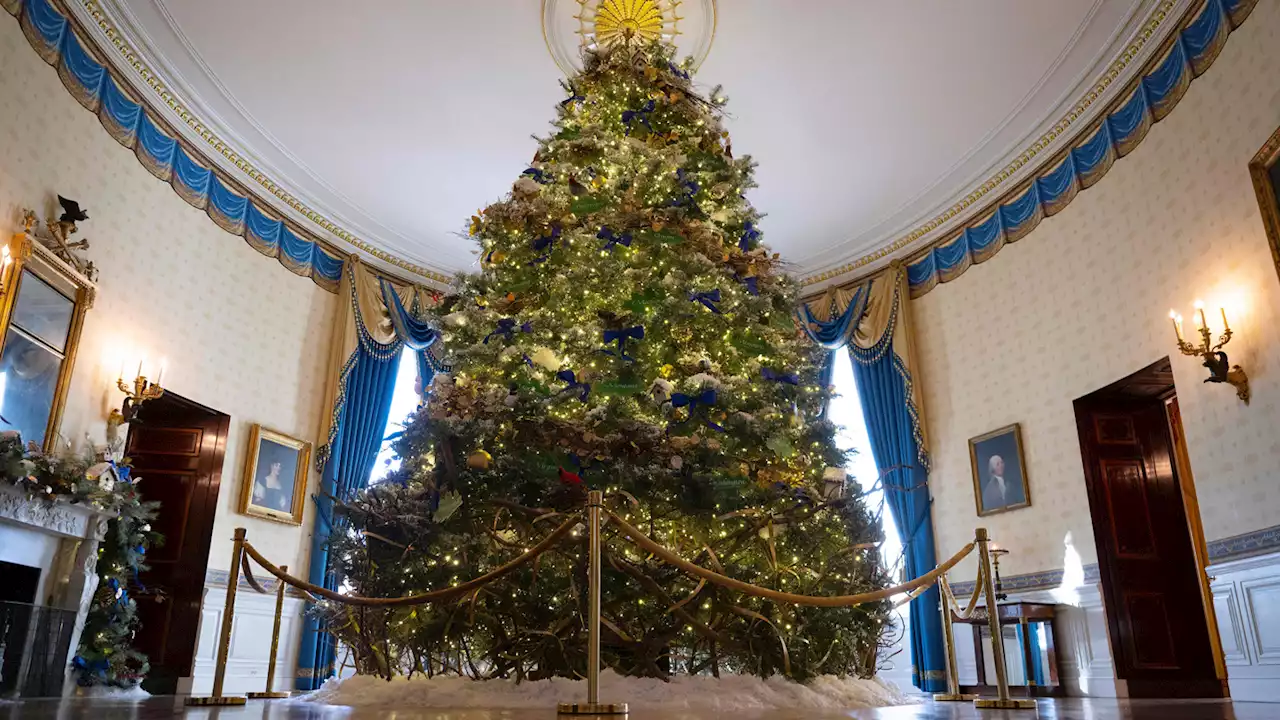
(1069,709)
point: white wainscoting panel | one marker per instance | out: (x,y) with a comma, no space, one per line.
(250,641)
(1246,600)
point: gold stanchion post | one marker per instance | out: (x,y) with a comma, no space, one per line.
(593,706)
(224,639)
(1002,701)
(953,693)
(269,694)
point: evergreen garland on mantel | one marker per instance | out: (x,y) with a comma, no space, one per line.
(106,656)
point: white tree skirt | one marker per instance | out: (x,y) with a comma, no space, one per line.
(729,693)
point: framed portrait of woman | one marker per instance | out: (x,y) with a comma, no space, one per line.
(274,486)
(1265,170)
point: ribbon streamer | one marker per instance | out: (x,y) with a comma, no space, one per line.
(574,97)
(708,299)
(689,188)
(703,400)
(507,328)
(621,337)
(630,116)
(540,177)
(752,283)
(569,377)
(613,240)
(749,235)
(771,376)
(546,245)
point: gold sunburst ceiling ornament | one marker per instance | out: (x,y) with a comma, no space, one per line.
(623,22)
(571,26)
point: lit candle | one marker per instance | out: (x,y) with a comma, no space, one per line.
(1177,323)
(140,361)
(1200,309)
(1225,326)
(163,364)
(121,375)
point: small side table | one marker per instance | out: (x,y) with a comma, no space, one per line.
(1024,615)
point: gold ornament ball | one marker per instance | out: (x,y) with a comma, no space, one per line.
(479,460)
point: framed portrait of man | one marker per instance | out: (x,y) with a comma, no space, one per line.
(1265,170)
(275,476)
(999,471)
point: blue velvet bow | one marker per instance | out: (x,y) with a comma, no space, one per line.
(680,72)
(703,400)
(540,177)
(569,377)
(630,116)
(749,235)
(621,337)
(97,668)
(546,245)
(771,376)
(708,299)
(613,240)
(574,97)
(752,283)
(507,329)
(689,188)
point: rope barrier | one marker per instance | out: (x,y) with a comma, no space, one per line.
(422,598)
(973,600)
(247,569)
(646,543)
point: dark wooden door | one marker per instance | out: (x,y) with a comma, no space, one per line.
(177,448)
(1159,632)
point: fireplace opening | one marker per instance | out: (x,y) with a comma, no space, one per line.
(34,640)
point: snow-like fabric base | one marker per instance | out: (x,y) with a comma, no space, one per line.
(103,692)
(726,694)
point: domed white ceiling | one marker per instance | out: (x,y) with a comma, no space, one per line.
(398,119)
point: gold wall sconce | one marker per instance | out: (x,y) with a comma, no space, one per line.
(1220,368)
(142,391)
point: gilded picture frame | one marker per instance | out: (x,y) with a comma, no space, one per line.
(995,487)
(274,486)
(1265,170)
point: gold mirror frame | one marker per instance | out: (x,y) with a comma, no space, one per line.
(29,254)
(1260,168)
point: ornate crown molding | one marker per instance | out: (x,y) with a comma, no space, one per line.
(203,168)
(1071,155)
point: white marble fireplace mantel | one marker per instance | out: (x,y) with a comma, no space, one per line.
(62,540)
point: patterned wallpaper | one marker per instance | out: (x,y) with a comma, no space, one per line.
(240,335)
(1083,302)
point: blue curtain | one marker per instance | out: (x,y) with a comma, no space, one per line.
(366,387)
(894,427)
(370,383)
(882,389)
(1034,663)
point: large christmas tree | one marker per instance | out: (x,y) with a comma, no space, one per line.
(629,332)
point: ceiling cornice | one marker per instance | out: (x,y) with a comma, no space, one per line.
(1078,160)
(1029,158)
(163,91)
